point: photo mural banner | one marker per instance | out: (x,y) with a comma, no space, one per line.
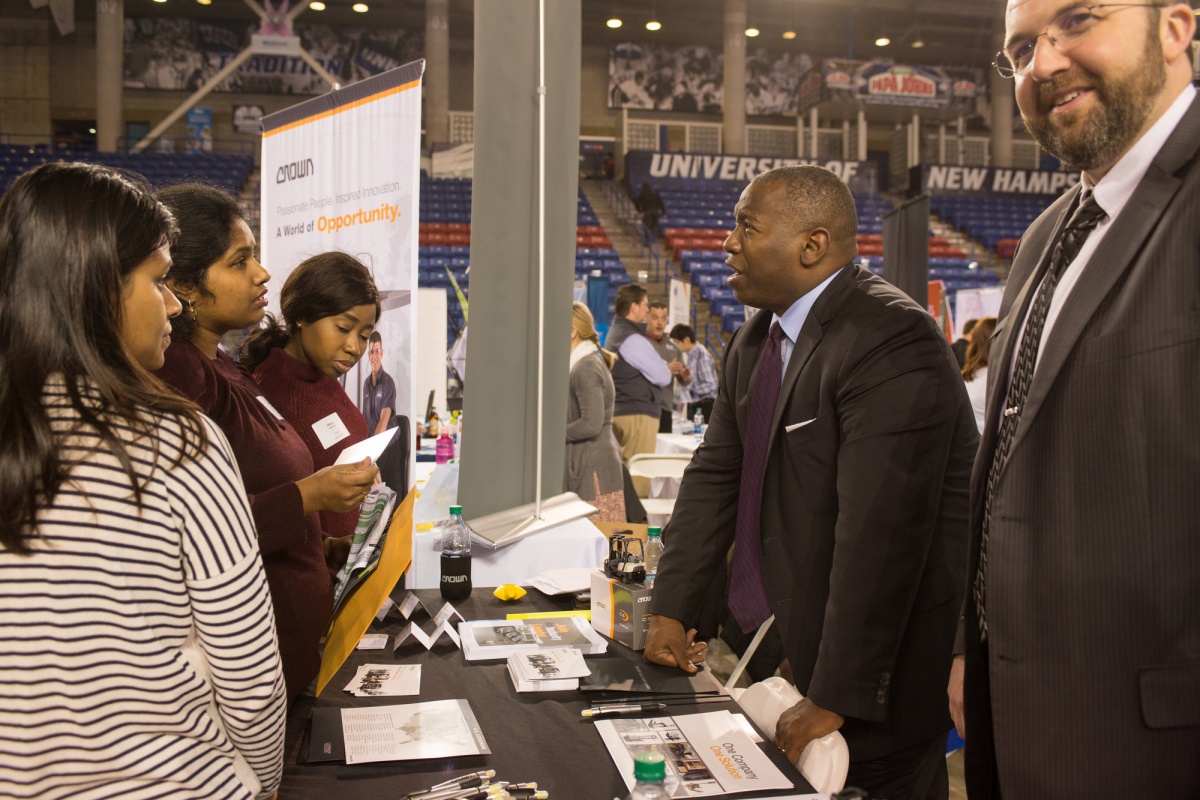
(643,166)
(889,84)
(342,172)
(658,77)
(182,54)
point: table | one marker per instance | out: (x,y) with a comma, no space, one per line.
(576,543)
(533,737)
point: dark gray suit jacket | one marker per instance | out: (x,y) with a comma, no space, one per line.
(1091,679)
(864,508)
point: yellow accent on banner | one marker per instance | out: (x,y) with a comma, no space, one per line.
(362,606)
(340,109)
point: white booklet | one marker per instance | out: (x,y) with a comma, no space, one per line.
(385,680)
(706,754)
(500,638)
(437,729)
(554,670)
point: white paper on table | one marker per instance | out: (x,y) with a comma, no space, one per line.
(437,729)
(372,447)
(372,641)
(387,605)
(563,581)
(409,604)
(386,680)
(427,639)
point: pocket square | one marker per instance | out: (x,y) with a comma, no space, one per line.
(799,425)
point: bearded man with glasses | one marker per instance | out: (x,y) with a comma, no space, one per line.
(1080,636)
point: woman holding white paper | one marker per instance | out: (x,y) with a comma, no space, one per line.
(330,306)
(222,286)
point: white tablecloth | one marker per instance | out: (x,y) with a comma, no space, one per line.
(577,543)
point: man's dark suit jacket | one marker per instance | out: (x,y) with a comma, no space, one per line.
(1093,578)
(864,508)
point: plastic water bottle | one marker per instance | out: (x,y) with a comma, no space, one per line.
(444,447)
(456,557)
(698,422)
(654,551)
(650,770)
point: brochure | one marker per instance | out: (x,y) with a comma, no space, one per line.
(706,754)
(498,638)
(554,670)
(384,680)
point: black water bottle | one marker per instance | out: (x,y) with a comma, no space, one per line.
(456,557)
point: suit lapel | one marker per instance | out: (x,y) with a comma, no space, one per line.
(1122,243)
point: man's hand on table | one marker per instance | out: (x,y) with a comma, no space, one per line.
(803,723)
(669,645)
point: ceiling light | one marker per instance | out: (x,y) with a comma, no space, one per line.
(613,22)
(361,8)
(317,5)
(752,32)
(918,43)
(204,2)
(160,1)
(789,35)
(882,41)
(653,25)
(91,130)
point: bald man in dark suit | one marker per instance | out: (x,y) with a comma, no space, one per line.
(838,457)
(1081,627)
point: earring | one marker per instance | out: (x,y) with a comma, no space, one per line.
(190,308)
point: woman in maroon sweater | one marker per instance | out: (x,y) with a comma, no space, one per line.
(223,288)
(330,306)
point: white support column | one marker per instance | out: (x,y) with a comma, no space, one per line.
(110,66)
(813,128)
(437,71)
(862,135)
(735,76)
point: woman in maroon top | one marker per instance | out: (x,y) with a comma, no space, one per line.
(223,288)
(330,305)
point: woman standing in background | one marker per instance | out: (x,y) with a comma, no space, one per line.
(330,306)
(223,288)
(975,367)
(139,642)
(593,461)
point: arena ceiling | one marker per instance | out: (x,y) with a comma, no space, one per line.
(955,32)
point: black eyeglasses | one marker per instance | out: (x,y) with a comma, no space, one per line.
(1063,34)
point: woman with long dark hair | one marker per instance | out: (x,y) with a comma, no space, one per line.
(330,306)
(139,642)
(223,288)
(975,367)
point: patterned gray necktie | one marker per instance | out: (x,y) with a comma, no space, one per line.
(1085,219)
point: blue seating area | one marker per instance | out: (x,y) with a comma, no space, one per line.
(445,199)
(445,235)
(160,169)
(990,218)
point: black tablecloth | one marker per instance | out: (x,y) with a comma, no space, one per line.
(536,736)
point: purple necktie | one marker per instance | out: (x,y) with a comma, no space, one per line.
(747,590)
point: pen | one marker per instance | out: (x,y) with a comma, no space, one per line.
(464,793)
(621,710)
(463,781)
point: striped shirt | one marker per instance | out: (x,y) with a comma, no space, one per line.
(704,374)
(139,656)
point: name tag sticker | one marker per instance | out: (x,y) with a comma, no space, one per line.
(267,405)
(330,430)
